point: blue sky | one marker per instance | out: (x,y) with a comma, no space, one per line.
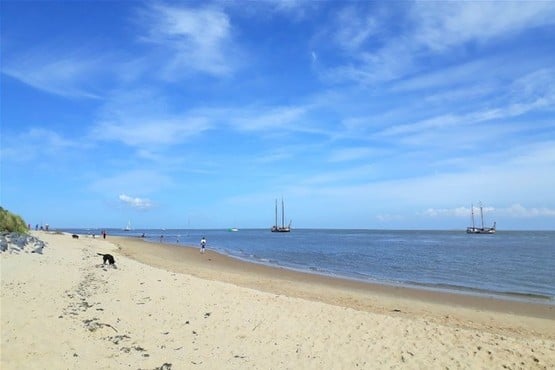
(200,114)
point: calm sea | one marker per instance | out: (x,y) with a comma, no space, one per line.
(513,264)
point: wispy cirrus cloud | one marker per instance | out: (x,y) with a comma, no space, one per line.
(196,39)
(37,143)
(181,41)
(443,25)
(268,118)
(529,93)
(146,132)
(71,74)
(354,30)
(143,118)
(431,29)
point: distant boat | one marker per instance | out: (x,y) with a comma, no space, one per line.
(479,230)
(281,229)
(128,227)
(233,229)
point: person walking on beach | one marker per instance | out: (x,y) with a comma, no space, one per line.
(202,245)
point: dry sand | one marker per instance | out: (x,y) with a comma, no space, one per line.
(168,307)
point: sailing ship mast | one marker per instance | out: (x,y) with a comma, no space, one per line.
(276,215)
(282,214)
(472,211)
(482,215)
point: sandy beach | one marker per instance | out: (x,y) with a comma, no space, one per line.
(167,307)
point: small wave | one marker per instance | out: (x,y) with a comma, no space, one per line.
(479,291)
(529,295)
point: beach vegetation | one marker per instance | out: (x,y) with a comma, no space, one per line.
(11,222)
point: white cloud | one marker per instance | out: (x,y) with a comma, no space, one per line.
(283,118)
(519,211)
(64,74)
(537,86)
(431,29)
(143,118)
(442,25)
(493,182)
(198,39)
(288,5)
(517,102)
(354,29)
(294,10)
(454,76)
(37,143)
(139,203)
(155,131)
(514,211)
(313,56)
(444,212)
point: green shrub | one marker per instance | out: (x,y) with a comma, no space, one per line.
(12,223)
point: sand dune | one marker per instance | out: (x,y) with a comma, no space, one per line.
(167,307)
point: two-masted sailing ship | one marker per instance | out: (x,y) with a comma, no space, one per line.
(479,230)
(277,228)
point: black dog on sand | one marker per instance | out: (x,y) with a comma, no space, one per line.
(107,258)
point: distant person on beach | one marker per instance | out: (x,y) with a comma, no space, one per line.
(103,234)
(202,245)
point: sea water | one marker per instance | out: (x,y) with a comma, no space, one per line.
(513,264)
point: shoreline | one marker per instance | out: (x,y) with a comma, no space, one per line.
(349,293)
(489,278)
(461,271)
(532,298)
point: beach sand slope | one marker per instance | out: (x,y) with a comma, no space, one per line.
(65,310)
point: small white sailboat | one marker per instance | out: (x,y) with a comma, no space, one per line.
(128,227)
